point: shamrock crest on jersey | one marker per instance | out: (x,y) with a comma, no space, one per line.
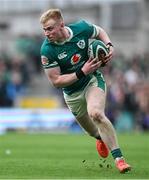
(81,44)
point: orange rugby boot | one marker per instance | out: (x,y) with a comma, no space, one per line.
(102,148)
(122,166)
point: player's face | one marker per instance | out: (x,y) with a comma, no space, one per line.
(52,29)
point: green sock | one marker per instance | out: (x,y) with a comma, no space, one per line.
(116,153)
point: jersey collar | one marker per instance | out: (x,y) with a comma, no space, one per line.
(67,40)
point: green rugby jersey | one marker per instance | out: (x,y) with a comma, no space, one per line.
(71,54)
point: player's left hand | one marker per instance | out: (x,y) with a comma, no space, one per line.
(109,56)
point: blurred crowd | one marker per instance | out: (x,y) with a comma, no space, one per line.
(128,91)
(16,71)
(127,80)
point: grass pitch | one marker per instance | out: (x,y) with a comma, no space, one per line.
(69,156)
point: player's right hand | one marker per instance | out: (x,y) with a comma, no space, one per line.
(91,66)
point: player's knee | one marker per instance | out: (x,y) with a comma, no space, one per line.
(97,115)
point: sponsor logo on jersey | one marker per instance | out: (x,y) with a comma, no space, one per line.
(44,60)
(75,58)
(62,55)
(81,44)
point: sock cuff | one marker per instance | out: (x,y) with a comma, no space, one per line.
(116,153)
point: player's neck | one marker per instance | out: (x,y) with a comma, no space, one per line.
(65,35)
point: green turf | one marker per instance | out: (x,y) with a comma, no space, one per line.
(68,156)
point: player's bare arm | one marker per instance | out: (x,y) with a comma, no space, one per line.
(58,80)
(63,80)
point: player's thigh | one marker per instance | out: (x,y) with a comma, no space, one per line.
(76,103)
(95,98)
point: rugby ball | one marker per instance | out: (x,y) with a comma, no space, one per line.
(97,49)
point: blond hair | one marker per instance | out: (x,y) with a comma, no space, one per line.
(51,14)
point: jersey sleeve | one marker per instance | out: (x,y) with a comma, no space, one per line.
(47,59)
(91,30)
(97,30)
